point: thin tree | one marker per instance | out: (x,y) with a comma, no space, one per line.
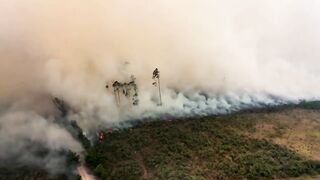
(127,89)
(130,89)
(134,85)
(156,77)
(116,89)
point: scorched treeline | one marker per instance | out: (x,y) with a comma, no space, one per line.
(130,89)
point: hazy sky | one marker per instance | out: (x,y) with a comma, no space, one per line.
(213,55)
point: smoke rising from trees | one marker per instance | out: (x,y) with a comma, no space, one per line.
(215,56)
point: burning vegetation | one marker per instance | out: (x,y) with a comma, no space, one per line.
(102,135)
(216,147)
(128,90)
(111,156)
(214,57)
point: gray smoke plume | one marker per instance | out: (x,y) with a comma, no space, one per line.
(214,56)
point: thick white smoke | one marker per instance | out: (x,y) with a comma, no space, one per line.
(215,56)
(24,133)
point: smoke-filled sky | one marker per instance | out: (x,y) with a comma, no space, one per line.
(214,56)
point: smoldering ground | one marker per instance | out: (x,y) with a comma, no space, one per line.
(214,57)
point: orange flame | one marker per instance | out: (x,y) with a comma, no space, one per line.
(84,174)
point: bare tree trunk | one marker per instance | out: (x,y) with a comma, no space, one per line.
(160,99)
(119,97)
(116,97)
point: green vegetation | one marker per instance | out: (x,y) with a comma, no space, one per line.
(201,148)
(313,105)
(253,144)
(309,104)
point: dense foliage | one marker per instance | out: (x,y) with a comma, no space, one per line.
(203,148)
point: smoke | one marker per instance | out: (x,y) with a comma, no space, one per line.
(214,56)
(25,134)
